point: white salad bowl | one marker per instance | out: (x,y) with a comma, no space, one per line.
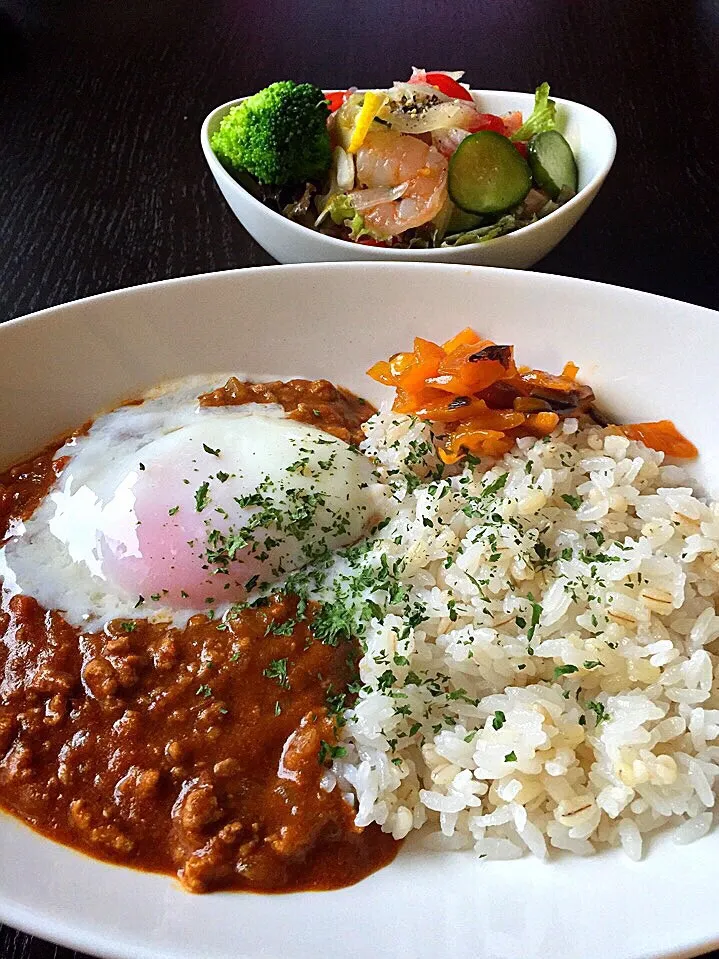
(590,135)
(62,365)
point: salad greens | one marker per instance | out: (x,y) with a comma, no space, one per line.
(542,118)
(418,165)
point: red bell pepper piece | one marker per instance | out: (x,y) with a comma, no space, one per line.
(448,86)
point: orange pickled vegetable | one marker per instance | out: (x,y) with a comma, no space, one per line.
(381,372)
(475,366)
(473,388)
(478,442)
(542,424)
(428,357)
(662,436)
(412,403)
(401,363)
(453,409)
(464,337)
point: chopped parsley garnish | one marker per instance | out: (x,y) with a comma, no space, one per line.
(499,719)
(277,670)
(564,670)
(336,704)
(173,509)
(496,486)
(592,664)
(202,497)
(204,690)
(599,711)
(541,549)
(574,501)
(208,449)
(282,629)
(334,622)
(329,752)
(511,757)
(129,626)
(536,614)
(222,477)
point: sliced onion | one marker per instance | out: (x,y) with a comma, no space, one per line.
(341,179)
(344,168)
(411,91)
(441,116)
(447,141)
(367,199)
(419,75)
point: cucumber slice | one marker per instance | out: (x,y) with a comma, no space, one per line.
(552,163)
(487,174)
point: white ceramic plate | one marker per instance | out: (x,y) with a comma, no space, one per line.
(647,357)
(592,139)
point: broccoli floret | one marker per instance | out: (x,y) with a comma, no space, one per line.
(279,135)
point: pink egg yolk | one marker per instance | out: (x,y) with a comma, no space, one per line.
(170,549)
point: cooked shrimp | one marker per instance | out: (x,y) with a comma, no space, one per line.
(388,159)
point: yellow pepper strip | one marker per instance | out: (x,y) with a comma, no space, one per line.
(373,103)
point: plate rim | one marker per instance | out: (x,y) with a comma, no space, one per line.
(34,921)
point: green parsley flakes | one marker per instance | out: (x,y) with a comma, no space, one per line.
(202,497)
(564,670)
(277,670)
(496,486)
(600,713)
(328,752)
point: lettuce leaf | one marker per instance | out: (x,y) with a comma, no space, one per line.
(514,220)
(481,234)
(343,213)
(340,208)
(296,210)
(541,118)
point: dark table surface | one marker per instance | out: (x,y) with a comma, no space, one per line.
(102,183)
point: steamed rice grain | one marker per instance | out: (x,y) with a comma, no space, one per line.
(538,635)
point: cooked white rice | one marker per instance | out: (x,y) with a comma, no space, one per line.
(538,670)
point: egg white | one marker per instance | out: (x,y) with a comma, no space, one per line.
(59,557)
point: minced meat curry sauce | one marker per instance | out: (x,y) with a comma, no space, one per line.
(197,750)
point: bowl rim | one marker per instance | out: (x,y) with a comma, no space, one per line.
(401,253)
(558,279)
